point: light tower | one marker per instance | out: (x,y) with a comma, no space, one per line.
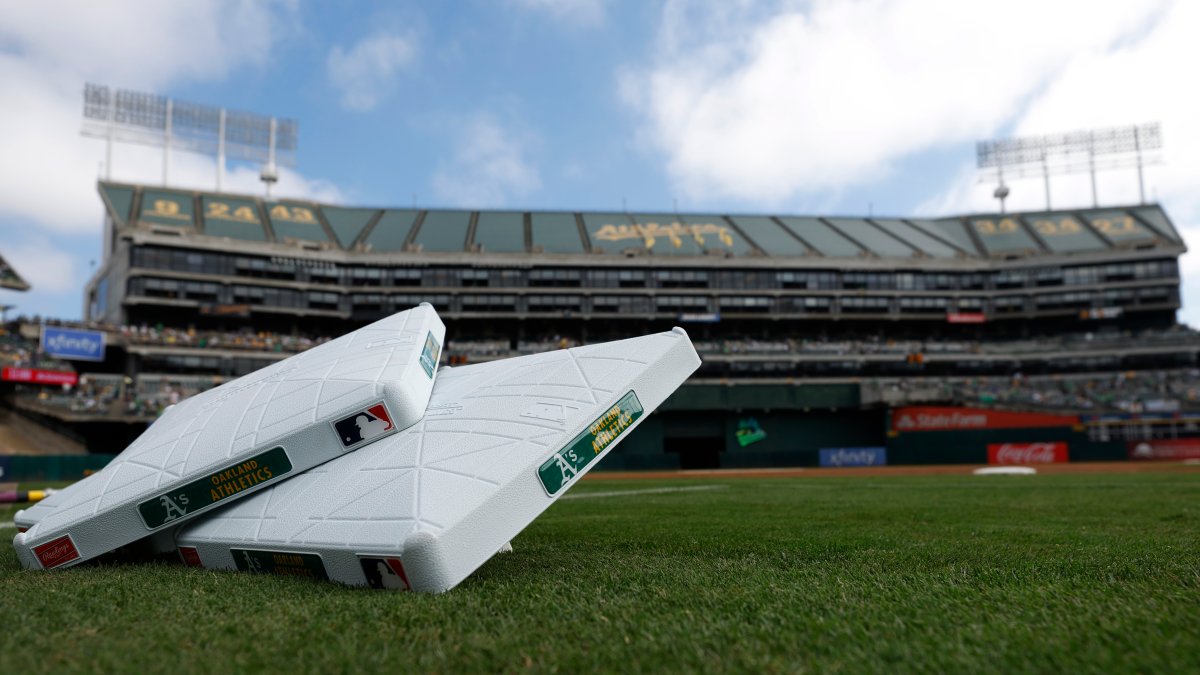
(1076,152)
(119,115)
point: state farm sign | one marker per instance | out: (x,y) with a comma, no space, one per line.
(933,418)
(1027,453)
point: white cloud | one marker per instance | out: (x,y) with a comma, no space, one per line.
(366,72)
(144,43)
(45,265)
(768,102)
(577,12)
(489,165)
(1134,82)
(48,50)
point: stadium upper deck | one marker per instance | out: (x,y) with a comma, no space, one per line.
(176,256)
(10,279)
(309,226)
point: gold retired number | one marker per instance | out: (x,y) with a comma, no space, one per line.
(295,214)
(223,211)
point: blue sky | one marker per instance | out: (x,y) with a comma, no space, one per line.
(784,106)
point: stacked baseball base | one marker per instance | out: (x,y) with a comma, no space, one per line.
(359,461)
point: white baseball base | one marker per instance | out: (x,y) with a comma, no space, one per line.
(423,509)
(246,435)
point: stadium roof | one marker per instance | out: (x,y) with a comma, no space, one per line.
(308,225)
(9,277)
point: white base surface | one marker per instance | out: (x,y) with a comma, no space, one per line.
(1005,471)
(430,505)
(224,444)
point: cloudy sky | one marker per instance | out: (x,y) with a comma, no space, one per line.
(843,107)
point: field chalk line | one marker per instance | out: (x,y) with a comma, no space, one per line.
(647,491)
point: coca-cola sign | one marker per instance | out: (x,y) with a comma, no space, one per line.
(1027,453)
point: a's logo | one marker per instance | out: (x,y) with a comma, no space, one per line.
(749,432)
(56,552)
(364,426)
(251,562)
(171,509)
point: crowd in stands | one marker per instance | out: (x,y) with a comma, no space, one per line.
(19,352)
(1149,391)
(1129,392)
(107,394)
(1143,391)
(869,346)
(744,345)
(261,341)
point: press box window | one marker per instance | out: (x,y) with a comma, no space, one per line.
(328,301)
(543,278)
(684,302)
(746,304)
(864,305)
(488,303)
(367,276)
(554,303)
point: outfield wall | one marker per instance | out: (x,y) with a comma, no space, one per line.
(21,468)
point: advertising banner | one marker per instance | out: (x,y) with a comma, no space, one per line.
(853,456)
(73,344)
(966,317)
(36,376)
(929,418)
(1165,449)
(1027,453)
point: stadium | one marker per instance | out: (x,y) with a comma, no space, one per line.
(1044,339)
(815,438)
(1062,323)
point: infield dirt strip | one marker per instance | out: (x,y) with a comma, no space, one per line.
(914,470)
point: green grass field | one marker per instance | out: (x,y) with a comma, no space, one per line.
(941,573)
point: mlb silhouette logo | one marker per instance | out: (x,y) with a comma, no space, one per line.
(364,426)
(385,573)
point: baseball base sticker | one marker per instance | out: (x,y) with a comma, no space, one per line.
(56,552)
(384,573)
(587,446)
(306,565)
(364,426)
(202,493)
(430,354)
(190,556)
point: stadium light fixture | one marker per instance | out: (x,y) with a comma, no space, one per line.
(120,115)
(1073,152)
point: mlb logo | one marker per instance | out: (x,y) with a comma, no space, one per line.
(364,426)
(385,573)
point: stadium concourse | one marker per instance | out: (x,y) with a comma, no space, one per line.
(914,340)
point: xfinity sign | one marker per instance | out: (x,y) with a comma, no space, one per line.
(853,456)
(73,344)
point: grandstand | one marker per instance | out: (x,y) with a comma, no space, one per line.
(10,279)
(824,324)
